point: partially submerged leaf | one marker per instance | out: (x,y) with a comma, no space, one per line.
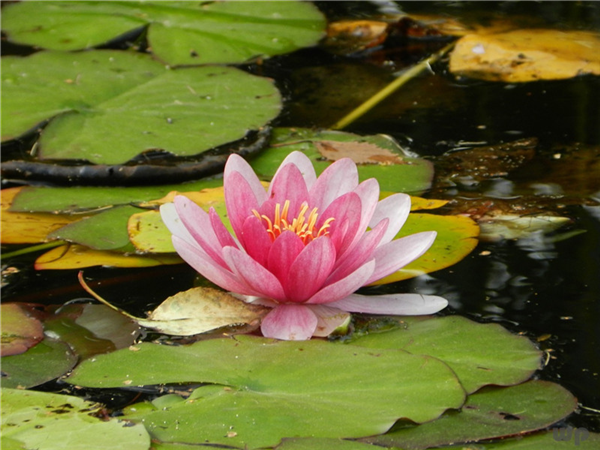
(43,362)
(527,55)
(499,227)
(178,32)
(26,228)
(53,422)
(20,331)
(194,311)
(75,256)
(263,390)
(359,152)
(89,96)
(489,414)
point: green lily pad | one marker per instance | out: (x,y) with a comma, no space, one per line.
(52,422)
(179,32)
(456,238)
(489,414)
(43,362)
(20,331)
(395,170)
(479,354)
(77,199)
(321,444)
(265,390)
(107,107)
(106,230)
(579,438)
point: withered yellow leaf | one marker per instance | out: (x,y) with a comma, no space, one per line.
(527,55)
(75,256)
(29,228)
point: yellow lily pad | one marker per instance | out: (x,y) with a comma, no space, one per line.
(527,55)
(28,228)
(456,238)
(77,257)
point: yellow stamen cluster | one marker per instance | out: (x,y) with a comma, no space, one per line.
(303,226)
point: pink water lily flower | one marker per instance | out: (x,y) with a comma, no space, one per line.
(304,246)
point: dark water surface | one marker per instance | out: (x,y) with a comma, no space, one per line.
(544,286)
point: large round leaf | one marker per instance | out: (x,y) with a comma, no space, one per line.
(178,33)
(479,354)
(265,390)
(489,414)
(107,107)
(53,422)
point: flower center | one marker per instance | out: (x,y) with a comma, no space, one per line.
(303,226)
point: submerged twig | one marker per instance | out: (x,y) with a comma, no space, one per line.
(389,89)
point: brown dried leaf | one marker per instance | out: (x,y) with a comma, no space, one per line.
(359,152)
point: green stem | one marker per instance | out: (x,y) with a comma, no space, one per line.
(33,248)
(389,89)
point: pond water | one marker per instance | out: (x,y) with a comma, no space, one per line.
(545,286)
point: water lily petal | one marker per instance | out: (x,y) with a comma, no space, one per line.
(305,166)
(171,219)
(344,287)
(291,322)
(336,180)
(235,163)
(198,223)
(253,274)
(368,192)
(361,253)
(223,235)
(257,242)
(310,270)
(284,251)
(392,304)
(398,253)
(208,268)
(287,184)
(395,208)
(328,319)
(346,211)
(240,201)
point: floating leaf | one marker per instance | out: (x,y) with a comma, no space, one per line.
(456,238)
(43,362)
(106,230)
(52,422)
(527,55)
(581,438)
(194,311)
(265,390)
(412,175)
(91,329)
(89,96)
(178,32)
(320,444)
(24,228)
(465,346)
(78,198)
(75,256)
(514,226)
(489,414)
(20,331)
